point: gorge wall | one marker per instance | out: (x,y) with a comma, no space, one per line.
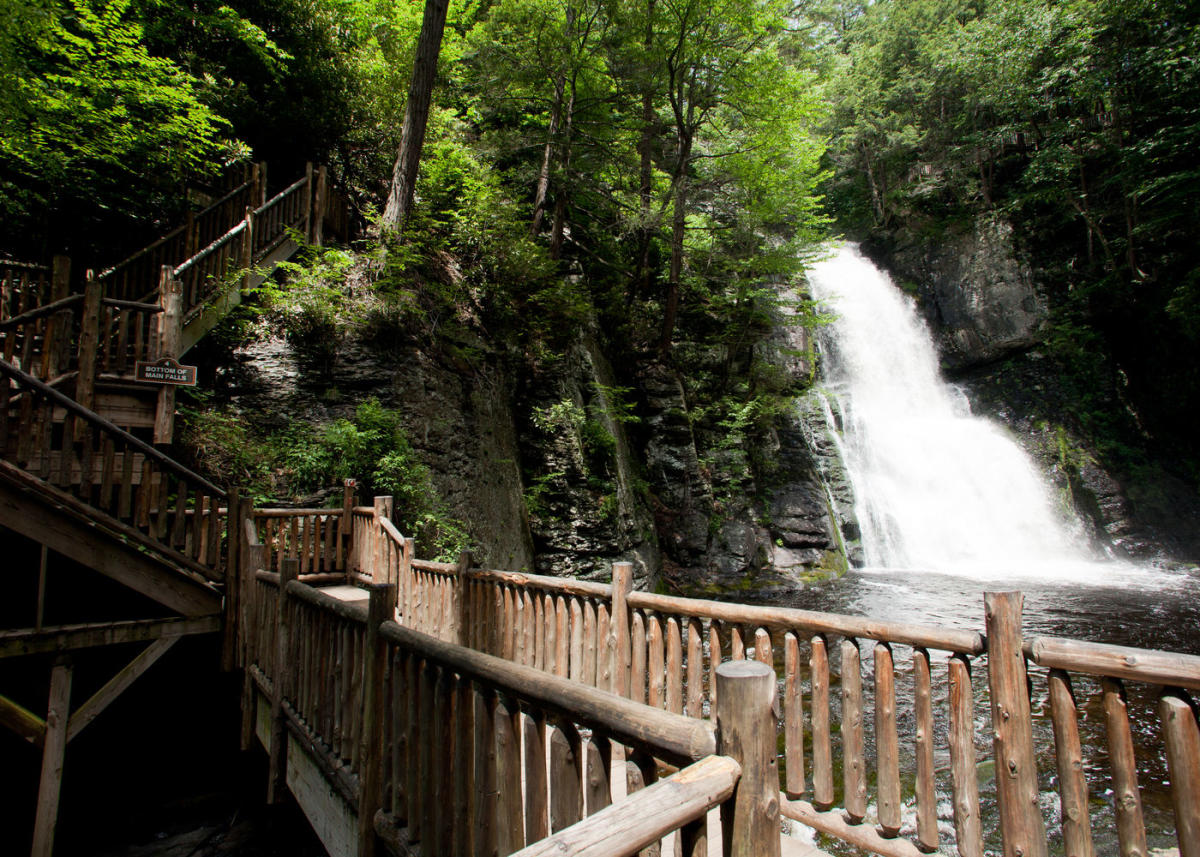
(564,463)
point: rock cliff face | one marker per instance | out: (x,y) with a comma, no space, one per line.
(564,465)
(978,293)
(458,418)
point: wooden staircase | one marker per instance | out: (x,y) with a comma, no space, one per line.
(83,471)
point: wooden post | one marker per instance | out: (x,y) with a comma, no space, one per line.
(256,185)
(308,202)
(968,830)
(1021,824)
(191,236)
(370,791)
(170,291)
(89,342)
(1183,763)
(318,230)
(233,580)
(263,191)
(53,755)
(461,606)
(289,570)
(746,729)
(1072,779)
(58,326)
(251,561)
(619,627)
(854,770)
(383,509)
(247,258)
(349,486)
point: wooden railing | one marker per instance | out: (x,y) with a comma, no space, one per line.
(136,278)
(842,735)
(105,468)
(461,752)
(23,286)
(1125,693)
(45,329)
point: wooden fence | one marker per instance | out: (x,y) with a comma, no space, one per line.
(843,737)
(137,489)
(461,752)
(46,329)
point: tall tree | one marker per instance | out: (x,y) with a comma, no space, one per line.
(416,116)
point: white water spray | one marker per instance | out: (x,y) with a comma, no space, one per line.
(935,488)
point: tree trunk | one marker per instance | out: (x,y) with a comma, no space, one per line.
(416,116)
(543,185)
(560,201)
(678,224)
(646,167)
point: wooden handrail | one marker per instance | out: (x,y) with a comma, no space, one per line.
(149,248)
(1170,669)
(626,827)
(927,636)
(277,198)
(294,513)
(154,245)
(28,266)
(39,312)
(116,431)
(210,249)
(137,306)
(672,737)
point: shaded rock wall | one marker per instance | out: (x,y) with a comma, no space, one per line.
(979,294)
(458,418)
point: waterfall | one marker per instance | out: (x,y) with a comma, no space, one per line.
(935,487)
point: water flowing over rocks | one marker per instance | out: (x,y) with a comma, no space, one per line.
(981,297)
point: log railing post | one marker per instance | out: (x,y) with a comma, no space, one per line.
(383,509)
(89,342)
(233,581)
(621,647)
(746,731)
(346,525)
(460,633)
(247,257)
(58,326)
(249,562)
(1022,827)
(308,202)
(53,755)
(260,188)
(371,749)
(170,292)
(318,207)
(1182,737)
(289,570)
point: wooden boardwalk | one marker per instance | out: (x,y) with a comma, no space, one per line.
(529,654)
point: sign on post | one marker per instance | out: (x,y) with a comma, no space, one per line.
(166,370)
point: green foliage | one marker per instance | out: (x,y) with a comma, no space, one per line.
(90,120)
(371,448)
(312,303)
(1076,120)
(536,491)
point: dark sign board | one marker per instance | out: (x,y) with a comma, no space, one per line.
(166,371)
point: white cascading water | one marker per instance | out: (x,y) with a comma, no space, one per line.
(935,488)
